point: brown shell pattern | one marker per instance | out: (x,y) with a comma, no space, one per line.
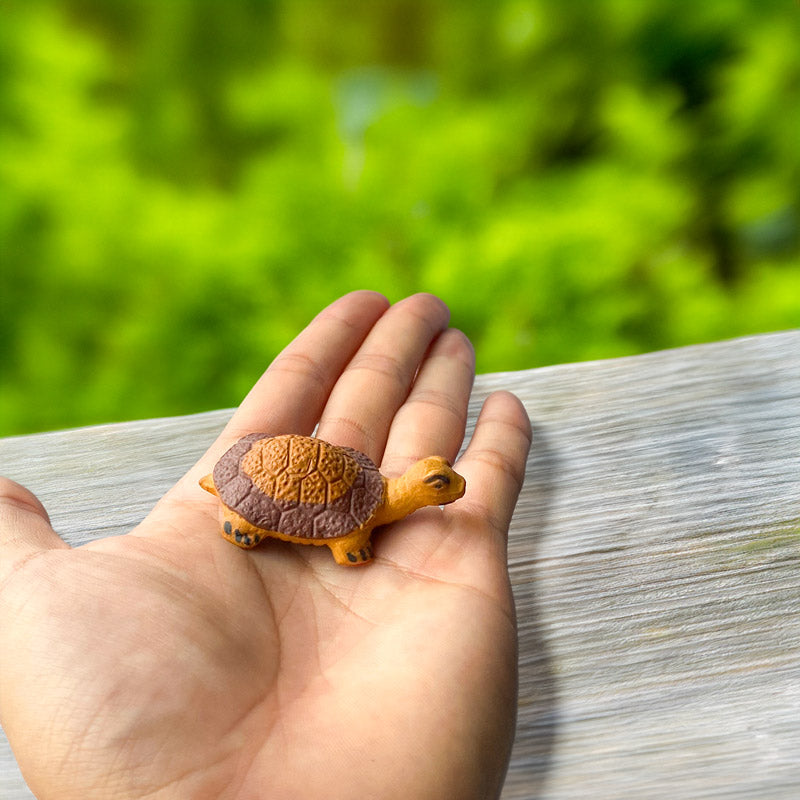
(299,486)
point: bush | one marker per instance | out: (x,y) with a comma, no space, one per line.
(184,184)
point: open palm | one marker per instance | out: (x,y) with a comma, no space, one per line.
(167,663)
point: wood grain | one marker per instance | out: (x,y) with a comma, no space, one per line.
(655,556)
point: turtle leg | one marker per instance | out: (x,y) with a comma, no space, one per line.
(237,530)
(352,550)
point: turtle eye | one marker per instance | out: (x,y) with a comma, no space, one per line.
(438,480)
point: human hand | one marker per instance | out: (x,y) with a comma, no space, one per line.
(167,663)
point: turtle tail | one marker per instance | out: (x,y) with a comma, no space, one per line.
(207,482)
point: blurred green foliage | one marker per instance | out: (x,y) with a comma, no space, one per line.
(183,184)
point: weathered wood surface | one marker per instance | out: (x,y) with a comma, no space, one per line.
(655,556)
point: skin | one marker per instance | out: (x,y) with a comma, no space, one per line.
(167,663)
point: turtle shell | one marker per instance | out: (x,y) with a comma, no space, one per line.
(299,486)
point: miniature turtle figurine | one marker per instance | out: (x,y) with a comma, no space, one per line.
(304,490)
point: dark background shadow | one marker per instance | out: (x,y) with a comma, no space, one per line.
(538,717)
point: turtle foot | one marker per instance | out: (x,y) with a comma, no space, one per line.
(361,556)
(238,537)
(353,556)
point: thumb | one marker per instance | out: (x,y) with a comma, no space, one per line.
(24,527)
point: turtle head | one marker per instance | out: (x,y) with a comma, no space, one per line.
(434,482)
(430,482)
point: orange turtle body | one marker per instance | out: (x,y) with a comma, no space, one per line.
(304,490)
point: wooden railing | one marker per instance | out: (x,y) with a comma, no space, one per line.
(655,557)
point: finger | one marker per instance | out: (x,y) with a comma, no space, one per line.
(24,527)
(494,462)
(290,395)
(377,380)
(433,418)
